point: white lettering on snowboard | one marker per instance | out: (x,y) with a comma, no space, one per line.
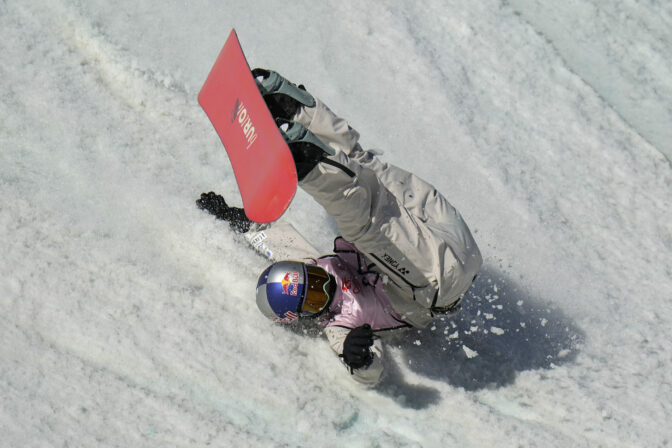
(245,121)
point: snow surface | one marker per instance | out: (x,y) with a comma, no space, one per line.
(127,315)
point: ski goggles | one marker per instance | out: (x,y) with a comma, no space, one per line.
(317,287)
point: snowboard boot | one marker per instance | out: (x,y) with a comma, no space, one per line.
(282,97)
(307,149)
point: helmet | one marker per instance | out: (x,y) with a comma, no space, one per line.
(289,289)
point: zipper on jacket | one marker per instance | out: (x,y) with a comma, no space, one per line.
(342,167)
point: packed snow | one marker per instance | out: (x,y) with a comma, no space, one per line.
(127,315)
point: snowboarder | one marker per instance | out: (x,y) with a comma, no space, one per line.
(405,256)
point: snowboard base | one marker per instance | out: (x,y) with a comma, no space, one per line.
(261,160)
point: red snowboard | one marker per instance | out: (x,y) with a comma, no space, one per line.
(261,160)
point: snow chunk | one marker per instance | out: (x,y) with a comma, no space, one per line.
(497,331)
(469,352)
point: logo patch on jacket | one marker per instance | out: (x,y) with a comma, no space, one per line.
(350,285)
(395,264)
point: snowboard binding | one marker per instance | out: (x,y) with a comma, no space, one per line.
(282,97)
(307,149)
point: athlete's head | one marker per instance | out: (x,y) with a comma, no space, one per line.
(290,289)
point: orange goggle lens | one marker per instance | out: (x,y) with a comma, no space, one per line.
(316,298)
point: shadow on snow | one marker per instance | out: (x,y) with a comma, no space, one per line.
(499,332)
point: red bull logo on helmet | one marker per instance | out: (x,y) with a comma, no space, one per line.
(290,283)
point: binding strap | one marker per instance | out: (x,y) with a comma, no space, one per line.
(273,83)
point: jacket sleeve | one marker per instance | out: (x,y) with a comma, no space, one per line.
(369,376)
(280,241)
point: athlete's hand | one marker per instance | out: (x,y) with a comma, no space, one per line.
(356,352)
(216,205)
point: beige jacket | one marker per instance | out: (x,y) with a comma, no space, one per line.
(403,224)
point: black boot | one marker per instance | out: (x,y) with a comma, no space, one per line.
(308,150)
(282,97)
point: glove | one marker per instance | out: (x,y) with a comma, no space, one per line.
(356,352)
(216,205)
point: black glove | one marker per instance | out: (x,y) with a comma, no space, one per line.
(216,205)
(356,352)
